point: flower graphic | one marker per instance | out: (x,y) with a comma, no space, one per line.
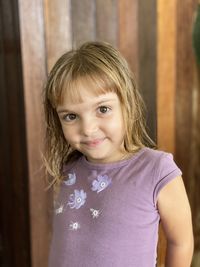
(74,226)
(101,183)
(59,210)
(71,179)
(95,213)
(77,199)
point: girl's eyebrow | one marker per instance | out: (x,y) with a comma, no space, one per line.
(63,111)
(103,101)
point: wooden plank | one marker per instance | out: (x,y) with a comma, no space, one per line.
(194,172)
(185,81)
(57,29)
(128,33)
(34,74)
(187,133)
(14,203)
(166,86)
(166,74)
(147,60)
(187,148)
(83,21)
(106,21)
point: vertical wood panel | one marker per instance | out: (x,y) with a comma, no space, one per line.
(106,21)
(147,59)
(194,173)
(128,33)
(57,29)
(184,112)
(166,74)
(137,41)
(14,203)
(83,21)
(166,86)
(34,73)
(185,75)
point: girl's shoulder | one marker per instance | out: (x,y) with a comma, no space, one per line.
(160,168)
(155,155)
(157,161)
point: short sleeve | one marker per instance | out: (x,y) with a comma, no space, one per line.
(167,171)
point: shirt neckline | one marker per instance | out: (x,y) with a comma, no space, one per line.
(106,166)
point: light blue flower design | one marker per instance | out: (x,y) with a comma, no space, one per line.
(71,179)
(101,183)
(77,199)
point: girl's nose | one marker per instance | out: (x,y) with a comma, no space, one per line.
(89,127)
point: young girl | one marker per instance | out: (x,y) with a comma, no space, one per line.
(114,189)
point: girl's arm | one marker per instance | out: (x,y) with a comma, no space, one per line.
(176,220)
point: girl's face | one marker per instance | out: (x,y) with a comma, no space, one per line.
(94,125)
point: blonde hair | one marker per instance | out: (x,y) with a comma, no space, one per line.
(102,65)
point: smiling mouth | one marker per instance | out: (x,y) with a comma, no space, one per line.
(94,143)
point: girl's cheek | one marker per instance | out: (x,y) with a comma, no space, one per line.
(70,133)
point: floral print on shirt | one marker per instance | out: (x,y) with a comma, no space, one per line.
(101,183)
(59,210)
(74,226)
(77,199)
(71,179)
(95,213)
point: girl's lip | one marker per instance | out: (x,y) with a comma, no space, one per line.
(94,143)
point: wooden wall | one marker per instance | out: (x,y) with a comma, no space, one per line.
(155,38)
(14,198)
(177,97)
(187,92)
(175,88)
(34,59)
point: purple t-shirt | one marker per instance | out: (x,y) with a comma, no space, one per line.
(106,214)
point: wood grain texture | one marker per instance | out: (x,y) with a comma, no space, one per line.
(147,35)
(107,21)
(166,74)
(57,29)
(83,21)
(166,87)
(184,85)
(128,33)
(14,201)
(194,168)
(34,74)
(185,152)
(194,171)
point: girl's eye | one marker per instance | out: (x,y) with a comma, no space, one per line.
(104,109)
(69,117)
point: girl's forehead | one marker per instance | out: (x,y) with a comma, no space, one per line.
(89,102)
(76,91)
